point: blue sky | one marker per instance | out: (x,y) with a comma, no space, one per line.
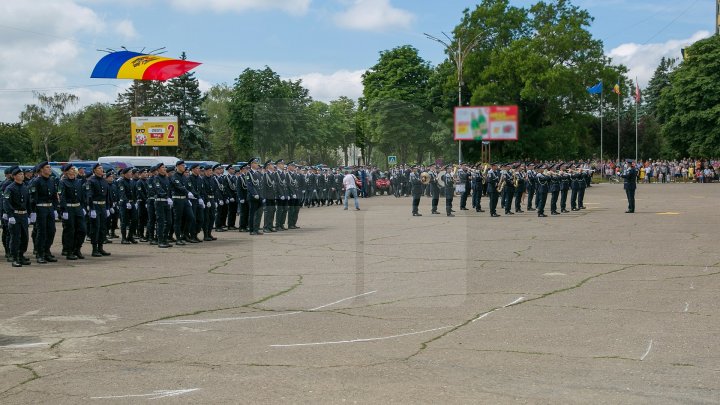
(51,45)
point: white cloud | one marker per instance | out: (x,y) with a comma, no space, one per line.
(126,29)
(324,87)
(642,60)
(296,7)
(374,15)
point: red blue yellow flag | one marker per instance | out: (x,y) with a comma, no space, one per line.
(616,89)
(140,66)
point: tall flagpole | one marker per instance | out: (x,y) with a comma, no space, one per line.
(618,145)
(637,106)
(601,123)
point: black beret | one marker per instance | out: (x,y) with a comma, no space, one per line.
(41,165)
(15,170)
(280,161)
(96,165)
(268,163)
(9,170)
(243,166)
(194,165)
(170,168)
(67,167)
(254,160)
(292,163)
(216,166)
(230,166)
(134,170)
(179,162)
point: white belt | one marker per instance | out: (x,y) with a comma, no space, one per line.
(44,205)
(73,205)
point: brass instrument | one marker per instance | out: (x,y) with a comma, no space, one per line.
(516,179)
(484,175)
(441,179)
(424,178)
(501,184)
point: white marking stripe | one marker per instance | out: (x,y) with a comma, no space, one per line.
(395,336)
(647,352)
(20,346)
(156,395)
(241,318)
(687,306)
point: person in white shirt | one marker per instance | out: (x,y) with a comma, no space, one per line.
(350,189)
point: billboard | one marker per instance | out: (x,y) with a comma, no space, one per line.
(154,131)
(490,123)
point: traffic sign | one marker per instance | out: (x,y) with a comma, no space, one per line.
(392,160)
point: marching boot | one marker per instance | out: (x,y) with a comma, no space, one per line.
(25,261)
(102,251)
(71,256)
(79,255)
(50,258)
(40,259)
(124,240)
(17,262)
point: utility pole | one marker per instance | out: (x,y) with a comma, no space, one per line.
(458,55)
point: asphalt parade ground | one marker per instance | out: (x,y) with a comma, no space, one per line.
(377,306)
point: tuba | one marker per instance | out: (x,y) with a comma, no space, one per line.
(441,179)
(424,178)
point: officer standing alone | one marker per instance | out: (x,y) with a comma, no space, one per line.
(630,176)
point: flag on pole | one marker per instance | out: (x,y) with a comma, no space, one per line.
(638,94)
(596,89)
(616,89)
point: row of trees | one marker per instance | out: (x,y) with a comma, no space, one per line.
(541,58)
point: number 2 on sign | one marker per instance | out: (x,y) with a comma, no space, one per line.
(171,129)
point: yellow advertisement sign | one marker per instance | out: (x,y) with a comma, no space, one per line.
(154,131)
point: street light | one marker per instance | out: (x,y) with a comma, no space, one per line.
(458,55)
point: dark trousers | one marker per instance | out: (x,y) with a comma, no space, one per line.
(151,221)
(415,203)
(477,198)
(184,218)
(509,193)
(581,197)
(18,240)
(255,211)
(98,227)
(463,198)
(563,200)
(221,216)
(542,196)
(244,213)
(142,218)
(518,200)
(573,198)
(162,213)
(448,202)
(293,211)
(281,212)
(232,209)
(554,200)
(537,198)
(73,233)
(209,221)
(630,193)
(45,226)
(199,215)
(128,221)
(530,196)
(6,237)
(269,213)
(493,203)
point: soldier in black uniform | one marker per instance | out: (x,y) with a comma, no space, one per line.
(5,216)
(416,190)
(269,194)
(564,187)
(543,183)
(582,185)
(242,196)
(16,205)
(196,186)
(464,179)
(255,193)
(126,206)
(72,198)
(97,193)
(630,185)
(43,205)
(141,195)
(531,186)
(434,190)
(150,204)
(212,196)
(521,180)
(509,191)
(554,190)
(449,190)
(114,214)
(183,218)
(221,198)
(163,203)
(477,189)
(294,187)
(322,187)
(493,178)
(231,186)
(282,196)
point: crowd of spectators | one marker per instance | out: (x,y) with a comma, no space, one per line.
(668,171)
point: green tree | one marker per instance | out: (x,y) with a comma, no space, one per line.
(342,123)
(185,100)
(45,122)
(222,138)
(99,129)
(659,81)
(16,144)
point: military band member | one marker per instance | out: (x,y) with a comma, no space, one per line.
(449,190)
(478,183)
(16,206)
(141,193)
(554,190)
(543,186)
(434,189)
(72,198)
(630,185)
(531,186)
(416,190)
(520,184)
(464,180)
(221,199)
(43,207)
(493,179)
(564,187)
(255,193)
(97,194)
(163,205)
(508,190)
(242,197)
(114,214)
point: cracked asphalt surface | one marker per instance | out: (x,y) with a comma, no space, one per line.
(378,306)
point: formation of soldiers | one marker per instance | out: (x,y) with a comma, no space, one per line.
(512,185)
(159,205)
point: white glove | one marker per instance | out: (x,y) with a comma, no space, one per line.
(232,200)
(93,214)
(227,201)
(264,201)
(108,212)
(282,197)
(190,202)
(201,202)
(5,217)
(170,202)
(65,216)
(242,201)
(137,205)
(55,215)
(128,206)
(294,196)
(221,202)
(11,221)
(191,195)
(84,212)
(257,197)
(33,217)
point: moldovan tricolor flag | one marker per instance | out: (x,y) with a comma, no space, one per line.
(616,89)
(638,95)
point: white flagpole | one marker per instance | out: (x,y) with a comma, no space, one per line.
(637,106)
(601,123)
(618,145)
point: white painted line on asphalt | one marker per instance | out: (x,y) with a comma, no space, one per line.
(692,286)
(647,352)
(25,345)
(155,394)
(242,318)
(362,340)
(687,306)
(365,339)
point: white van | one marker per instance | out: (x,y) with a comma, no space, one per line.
(142,162)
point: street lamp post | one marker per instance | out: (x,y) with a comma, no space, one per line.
(458,56)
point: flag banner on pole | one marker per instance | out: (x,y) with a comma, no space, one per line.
(140,66)
(616,89)
(596,89)
(638,94)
